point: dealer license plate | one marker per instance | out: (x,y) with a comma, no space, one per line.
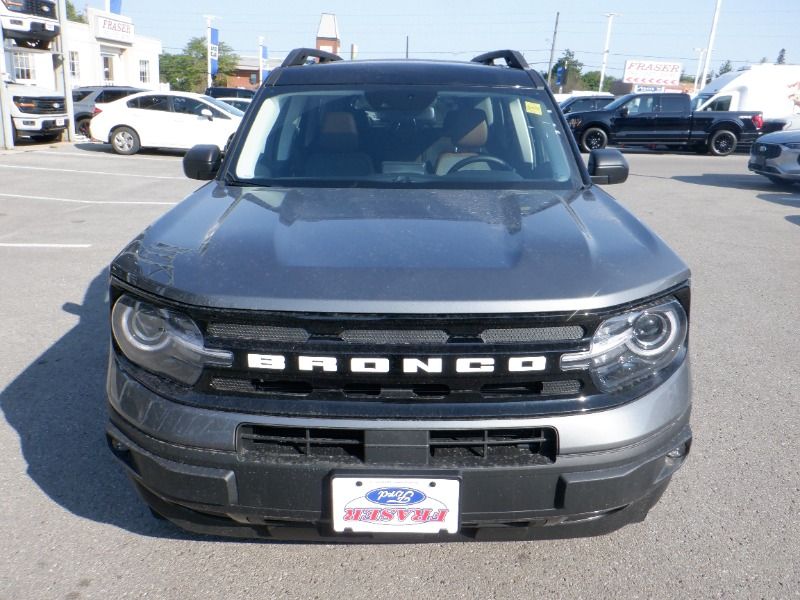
(394,504)
(60,122)
(49,27)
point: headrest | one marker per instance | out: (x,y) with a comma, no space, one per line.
(467,128)
(338,132)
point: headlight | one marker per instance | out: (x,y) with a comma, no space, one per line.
(629,348)
(163,341)
(574,122)
(792,145)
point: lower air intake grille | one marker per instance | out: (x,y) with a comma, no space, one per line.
(446,448)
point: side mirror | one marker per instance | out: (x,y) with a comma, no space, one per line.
(206,112)
(202,162)
(607,166)
(567,110)
(623,112)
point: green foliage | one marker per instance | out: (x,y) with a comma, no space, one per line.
(726,67)
(572,80)
(591,81)
(187,71)
(74,15)
(781,57)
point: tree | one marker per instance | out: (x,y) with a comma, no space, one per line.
(187,71)
(725,67)
(74,15)
(572,77)
(781,57)
(591,81)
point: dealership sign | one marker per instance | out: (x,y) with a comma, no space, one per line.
(108,26)
(649,72)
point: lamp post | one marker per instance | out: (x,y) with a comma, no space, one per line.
(710,47)
(610,17)
(702,52)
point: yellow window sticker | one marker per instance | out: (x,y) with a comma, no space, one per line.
(533,108)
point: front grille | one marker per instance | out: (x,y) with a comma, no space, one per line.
(50,105)
(444,448)
(529,390)
(766,150)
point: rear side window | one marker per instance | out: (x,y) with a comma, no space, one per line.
(721,103)
(150,103)
(113,95)
(674,103)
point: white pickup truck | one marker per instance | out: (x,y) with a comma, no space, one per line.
(37,113)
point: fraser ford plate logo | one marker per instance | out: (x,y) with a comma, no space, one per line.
(389,496)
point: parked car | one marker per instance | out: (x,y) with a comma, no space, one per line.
(776,156)
(374,326)
(664,119)
(585,103)
(241,103)
(229,92)
(86,100)
(165,120)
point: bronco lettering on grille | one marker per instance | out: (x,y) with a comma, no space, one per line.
(331,364)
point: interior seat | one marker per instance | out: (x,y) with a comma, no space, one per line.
(468,133)
(336,152)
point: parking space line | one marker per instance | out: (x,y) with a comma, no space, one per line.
(10,245)
(87,154)
(28,168)
(71,201)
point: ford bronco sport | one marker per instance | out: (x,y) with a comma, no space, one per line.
(400,309)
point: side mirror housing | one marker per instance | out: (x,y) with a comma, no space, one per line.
(607,166)
(206,112)
(567,110)
(202,162)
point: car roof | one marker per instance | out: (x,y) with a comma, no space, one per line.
(402,72)
(226,98)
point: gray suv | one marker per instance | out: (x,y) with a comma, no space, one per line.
(401,308)
(85,99)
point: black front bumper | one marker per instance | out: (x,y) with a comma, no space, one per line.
(227,493)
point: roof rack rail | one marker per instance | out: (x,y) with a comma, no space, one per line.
(300,56)
(513,58)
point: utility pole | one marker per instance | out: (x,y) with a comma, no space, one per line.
(6,131)
(260,60)
(702,52)
(406,46)
(552,51)
(710,47)
(610,17)
(66,76)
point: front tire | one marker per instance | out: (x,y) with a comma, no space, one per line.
(722,142)
(594,138)
(125,141)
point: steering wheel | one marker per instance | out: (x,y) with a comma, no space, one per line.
(489,160)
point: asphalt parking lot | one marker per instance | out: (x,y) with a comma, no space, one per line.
(73,528)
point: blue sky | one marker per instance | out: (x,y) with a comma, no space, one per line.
(460,29)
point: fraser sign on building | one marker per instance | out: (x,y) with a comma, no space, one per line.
(648,72)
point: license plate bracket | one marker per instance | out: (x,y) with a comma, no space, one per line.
(395,504)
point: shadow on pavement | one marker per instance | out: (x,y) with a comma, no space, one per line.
(740,181)
(793,219)
(102,148)
(57,406)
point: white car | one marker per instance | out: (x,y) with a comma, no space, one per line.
(165,120)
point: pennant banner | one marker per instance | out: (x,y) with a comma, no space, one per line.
(213,51)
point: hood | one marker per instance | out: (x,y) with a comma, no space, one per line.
(780,137)
(31,91)
(399,251)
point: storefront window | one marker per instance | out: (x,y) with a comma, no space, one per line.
(108,68)
(144,71)
(74,65)
(23,66)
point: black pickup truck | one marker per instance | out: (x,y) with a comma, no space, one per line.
(664,119)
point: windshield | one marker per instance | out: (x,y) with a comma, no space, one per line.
(224,106)
(396,136)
